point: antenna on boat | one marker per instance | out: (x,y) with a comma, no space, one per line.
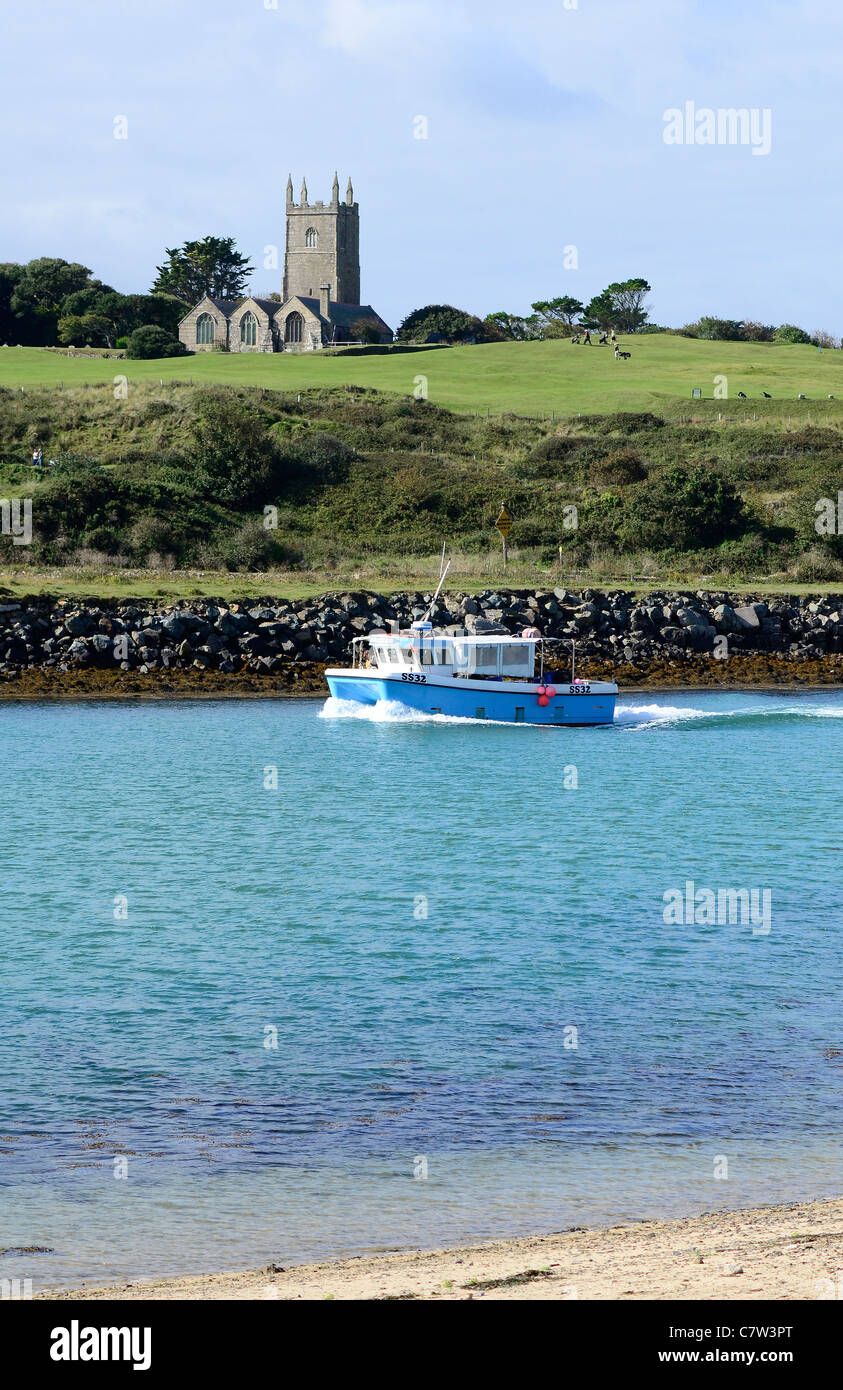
(443,570)
(573,659)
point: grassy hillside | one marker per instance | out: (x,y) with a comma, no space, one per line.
(534,378)
(367,486)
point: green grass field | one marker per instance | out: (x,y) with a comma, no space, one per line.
(536,378)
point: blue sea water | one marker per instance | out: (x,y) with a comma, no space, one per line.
(422,991)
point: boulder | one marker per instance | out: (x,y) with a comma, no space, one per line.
(80,624)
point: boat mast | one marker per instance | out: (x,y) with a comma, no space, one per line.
(443,570)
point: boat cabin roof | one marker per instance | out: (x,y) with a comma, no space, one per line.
(480,640)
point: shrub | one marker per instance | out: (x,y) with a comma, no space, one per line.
(683,509)
(619,467)
(253,547)
(152,534)
(553,448)
(624,422)
(789,333)
(323,456)
(152,341)
(233,456)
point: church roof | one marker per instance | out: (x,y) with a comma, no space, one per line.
(269,306)
(225,306)
(343,315)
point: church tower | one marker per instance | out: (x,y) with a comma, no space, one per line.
(322,246)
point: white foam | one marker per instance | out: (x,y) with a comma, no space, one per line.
(393,712)
(649,716)
(383,712)
(643,715)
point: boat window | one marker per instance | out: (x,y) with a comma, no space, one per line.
(517,659)
(389,655)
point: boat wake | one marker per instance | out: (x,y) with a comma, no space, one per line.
(384,712)
(627,716)
(772,708)
(393,712)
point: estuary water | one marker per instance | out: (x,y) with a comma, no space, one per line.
(282,983)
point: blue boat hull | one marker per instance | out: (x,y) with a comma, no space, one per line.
(505,706)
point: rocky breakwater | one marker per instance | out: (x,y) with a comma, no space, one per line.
(259,645)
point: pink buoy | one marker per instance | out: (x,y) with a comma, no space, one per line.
(550,690)
(541,690)
(543,700)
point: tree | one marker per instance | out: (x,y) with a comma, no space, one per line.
(789,333)
(556,316)
(719,330)
(600,312)
(450,325)
(754,332)
(90,329)
(620,305)
(210,267)
(10,275)
(122,313)
(46,282)
(39,293)
(513,326)
(366,331)
(824,339)
(628,297)
(152,341)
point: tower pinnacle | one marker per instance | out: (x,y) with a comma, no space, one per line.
(349,193)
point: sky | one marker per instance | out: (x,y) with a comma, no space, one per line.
(501,152)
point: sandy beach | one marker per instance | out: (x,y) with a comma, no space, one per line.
(793,1251)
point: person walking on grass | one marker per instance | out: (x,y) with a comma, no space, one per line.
(37,456)
(586,342)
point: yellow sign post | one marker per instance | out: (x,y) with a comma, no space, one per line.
(503,524)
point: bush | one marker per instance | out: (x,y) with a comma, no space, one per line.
(152,341)
(152,535)
(553,448)
(619,467)
(323,457)
(233,455)
(253,547)
(623,422)
(682,509)
(789,333)
(447,324)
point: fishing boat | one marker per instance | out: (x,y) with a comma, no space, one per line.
(497,676)
(479,676)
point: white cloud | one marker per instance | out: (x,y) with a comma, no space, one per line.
(385,28)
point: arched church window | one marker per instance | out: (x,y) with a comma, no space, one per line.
(310,237)
(249,329)
(205,329)
(293,327)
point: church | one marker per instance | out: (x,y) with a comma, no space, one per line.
(320,298)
